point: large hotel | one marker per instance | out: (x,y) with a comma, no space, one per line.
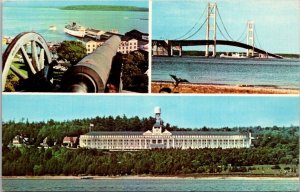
(157,138)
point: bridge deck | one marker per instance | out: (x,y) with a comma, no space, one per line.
(211,42)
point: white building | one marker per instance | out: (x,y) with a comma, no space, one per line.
(127,45)
(157,138)
(92,45)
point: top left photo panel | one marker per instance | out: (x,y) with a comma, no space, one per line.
(75,46)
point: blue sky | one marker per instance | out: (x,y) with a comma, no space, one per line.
(276,21)
(183,111)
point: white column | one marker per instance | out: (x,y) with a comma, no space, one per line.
(140,143)
(193,143)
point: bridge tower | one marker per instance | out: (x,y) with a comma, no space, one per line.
(250,37)
(211,27)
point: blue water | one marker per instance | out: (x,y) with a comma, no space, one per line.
(151,185)
(283,73)
(18,19)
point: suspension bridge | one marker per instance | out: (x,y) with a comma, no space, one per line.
(213,23)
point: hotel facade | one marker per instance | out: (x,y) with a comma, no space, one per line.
(157,138)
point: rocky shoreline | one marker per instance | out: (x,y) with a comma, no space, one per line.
(156,86)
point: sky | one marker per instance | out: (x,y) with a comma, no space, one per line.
(183,111)
(276,21)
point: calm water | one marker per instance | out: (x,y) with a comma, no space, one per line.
(20,19)
(151,185)
(283,73)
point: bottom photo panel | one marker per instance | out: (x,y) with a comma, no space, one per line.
(150,143)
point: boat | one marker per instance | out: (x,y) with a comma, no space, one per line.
(86,177)
(233,56)
(75,30)
(52,28)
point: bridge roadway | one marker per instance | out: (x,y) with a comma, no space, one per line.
(211,42)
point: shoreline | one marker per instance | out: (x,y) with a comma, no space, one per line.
(146,177)
(220,88)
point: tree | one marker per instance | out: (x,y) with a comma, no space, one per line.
(72,51)
(135,65)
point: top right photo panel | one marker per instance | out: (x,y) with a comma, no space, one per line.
(225,47)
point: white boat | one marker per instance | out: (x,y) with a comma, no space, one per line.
(75,30)
(52,28)
(233,56)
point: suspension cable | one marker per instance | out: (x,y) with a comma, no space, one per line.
(243,40)
(186,32)
(224,25)
(256,37)
(242,35)
(197,30)
(193,26)
(221,33)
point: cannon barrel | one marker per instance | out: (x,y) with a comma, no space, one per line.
(90,75)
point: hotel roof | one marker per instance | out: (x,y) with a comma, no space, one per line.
(95,133)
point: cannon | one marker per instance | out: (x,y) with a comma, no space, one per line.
(98,72)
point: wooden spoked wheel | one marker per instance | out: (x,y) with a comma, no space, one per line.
(32,50)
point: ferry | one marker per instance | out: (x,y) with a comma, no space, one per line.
(75,30)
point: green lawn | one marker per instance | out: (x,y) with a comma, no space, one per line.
(20,66)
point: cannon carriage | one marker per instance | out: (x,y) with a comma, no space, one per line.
(98,72)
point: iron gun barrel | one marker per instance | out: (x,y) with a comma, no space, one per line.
(90,75)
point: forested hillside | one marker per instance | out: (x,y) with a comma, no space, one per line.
(277,147)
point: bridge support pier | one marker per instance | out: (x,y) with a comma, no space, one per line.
(170,50)
(180,51)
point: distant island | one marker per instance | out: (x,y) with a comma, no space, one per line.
(104,8)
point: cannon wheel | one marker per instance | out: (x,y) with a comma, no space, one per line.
(35,59)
